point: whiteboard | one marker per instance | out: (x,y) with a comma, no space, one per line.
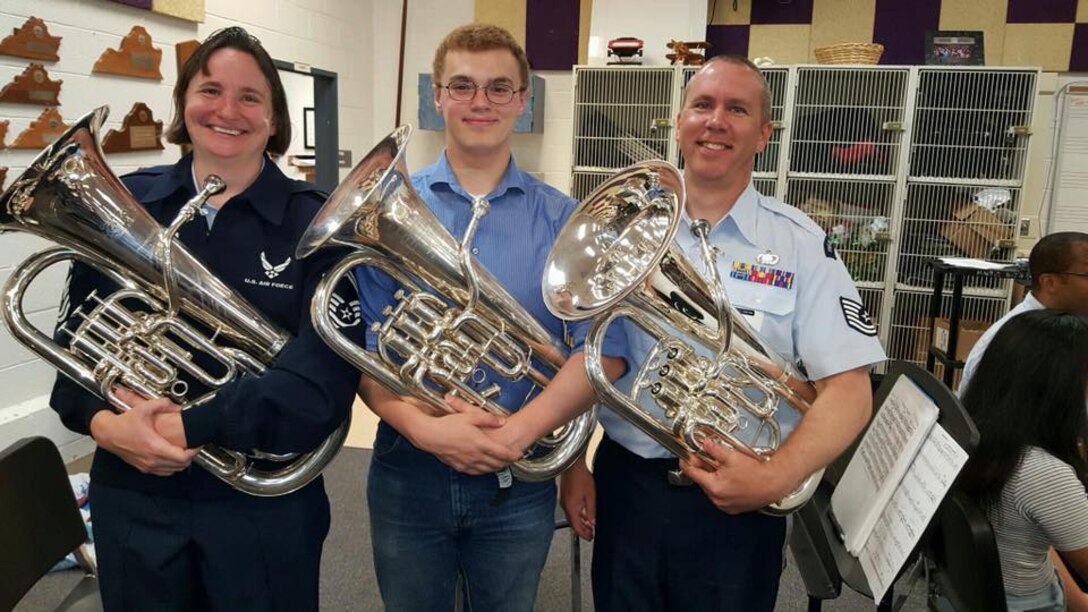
(1070,203)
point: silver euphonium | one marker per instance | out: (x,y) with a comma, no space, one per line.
(709,374)
(168,305)
(450,317)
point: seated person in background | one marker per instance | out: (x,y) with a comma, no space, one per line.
(1059,281)
(1027,399)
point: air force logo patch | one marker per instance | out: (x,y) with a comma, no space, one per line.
(857,318)
(273,270)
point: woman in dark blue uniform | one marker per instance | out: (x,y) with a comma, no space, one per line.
(170,536)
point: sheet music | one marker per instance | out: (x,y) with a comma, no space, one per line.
(912,505)
(885,454)
(977,264)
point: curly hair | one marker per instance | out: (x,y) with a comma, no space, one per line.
(480,37)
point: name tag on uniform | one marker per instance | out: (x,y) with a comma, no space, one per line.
(762,275)
(753,317)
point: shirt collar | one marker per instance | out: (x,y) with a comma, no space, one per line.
(1033,301)
(744,214)
(512,179)
(268,195)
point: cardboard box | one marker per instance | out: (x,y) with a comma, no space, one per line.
(969,333)
(976,231)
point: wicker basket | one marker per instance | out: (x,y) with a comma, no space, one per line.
(850,53)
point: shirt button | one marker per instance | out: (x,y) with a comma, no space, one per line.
(475,251)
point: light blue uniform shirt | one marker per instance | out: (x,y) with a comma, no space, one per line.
(792,288)
(512,242)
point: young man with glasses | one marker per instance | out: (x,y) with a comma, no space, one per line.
(1059,281)
(442,504)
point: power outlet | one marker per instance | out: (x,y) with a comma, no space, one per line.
(1025,227)
(344,158)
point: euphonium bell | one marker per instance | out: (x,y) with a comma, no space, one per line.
(451,316)
(709,374)
(168,305)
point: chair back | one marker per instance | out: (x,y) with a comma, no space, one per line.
(39,520)
(963,554)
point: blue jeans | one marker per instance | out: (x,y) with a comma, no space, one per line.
(429,523)
(1050,599)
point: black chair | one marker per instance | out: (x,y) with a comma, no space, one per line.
(965,571)
(39,524)
(822,559)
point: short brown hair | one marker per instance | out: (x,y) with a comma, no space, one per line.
(739,60)
(233,38)
(479,37)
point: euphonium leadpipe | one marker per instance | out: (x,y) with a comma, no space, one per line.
(451,316)
(709,374)
(168,306)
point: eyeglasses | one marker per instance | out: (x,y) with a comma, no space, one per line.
(1082,274)
(496,93)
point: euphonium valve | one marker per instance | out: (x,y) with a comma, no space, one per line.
(449,318)
(708,374)
(168,308)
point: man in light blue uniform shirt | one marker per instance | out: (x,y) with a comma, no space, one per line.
(1059,281)
(662,543)
(437,509)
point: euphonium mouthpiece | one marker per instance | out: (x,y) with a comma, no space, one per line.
(213,184)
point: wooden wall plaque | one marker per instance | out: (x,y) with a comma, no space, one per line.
(32,41)
(33,86)
(42,131)
(3,132)
(183,51)
(137,57)
(139,132)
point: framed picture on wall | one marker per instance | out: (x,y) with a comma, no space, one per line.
(954,48)
(309,129)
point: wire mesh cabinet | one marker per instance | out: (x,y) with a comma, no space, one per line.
(898,164)
(625,114)
(845,149)
(963,182)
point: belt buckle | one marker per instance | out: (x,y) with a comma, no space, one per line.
(678,478)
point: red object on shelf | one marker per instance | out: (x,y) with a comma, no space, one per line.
(625,47)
